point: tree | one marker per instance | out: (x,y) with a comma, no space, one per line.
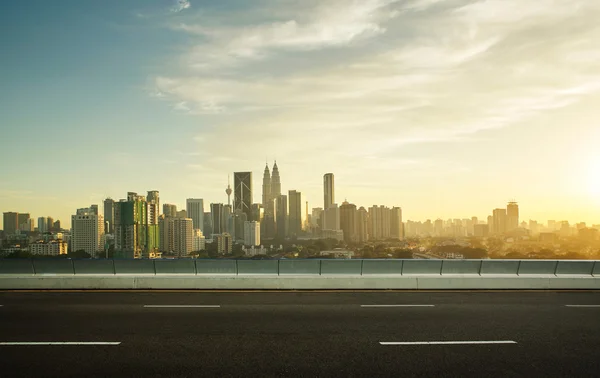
(403,254)
(79,254)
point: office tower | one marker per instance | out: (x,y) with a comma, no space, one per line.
(481,230)
(239,218)
(242,193)
(195,210)
(281,216)
(216,212)
(29,225)
(109,215)
(136,232)
(266,186)
(11,223)
(181,214)
(512,216)
(224,243)
(154,197)
(153,207)
(499,219)
(396,223)
(49,223)
(184,236)
(87,231)
(295,213)
(362,221)
(438,227)
(57,227)
(348,222)
(328,190)
(331,218)
(227,219)
(306,218)
(94,209)
(170,210)
(257,211)
(22,219)
(42,225)
(534,227)
(251,233)
(166,230)
(275,182)
(380,221)
(208,223)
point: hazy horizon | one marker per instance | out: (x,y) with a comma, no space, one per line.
(446,108)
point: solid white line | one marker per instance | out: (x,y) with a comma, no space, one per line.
(446,342)
(582,305)
(18,343)
(397,305)
(182,306)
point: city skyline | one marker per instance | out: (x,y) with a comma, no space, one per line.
(444,122)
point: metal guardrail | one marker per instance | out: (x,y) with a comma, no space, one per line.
(299,267)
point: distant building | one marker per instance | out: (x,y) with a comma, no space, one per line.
(499,219)
(348,222)
(281,216)
(380,222)
(109,215)
(328,191)
(199,242)
(331,218)
(11,223)
(224,243)
(216,212)
(42,225)
(242,193)
(48,248)
(512,216)
(396,223)
(87,232)
(338,253)
(170,210)
(136,227)
(251,233)
(295,213)
(481,230)
(195,211)
(362,225)
(548,237)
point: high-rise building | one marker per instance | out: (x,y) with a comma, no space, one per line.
(251,233)
(438,227)
(94,209)
(42,225)
(224,243)
(242,193)
(216,211)
(239,218)
(266,187)
(331,218)
(22,219)
(169,210)
(380,222)
(154,197)
(29,225)
(136,232)
(275,182)
(499,219)
(281,216)
(258,212)
(227,219)
(512,216)
(362,221)
(57,227)
(295,213)
(166,229)
(109,215)
(208,223)
(184,236)
(195,210)
(328,190)
(87,231)
(348,221)
(199,241)
(396,223)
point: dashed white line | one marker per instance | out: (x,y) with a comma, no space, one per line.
(446,342)
(22,343)
(182,306)
(592,306)
(400,305)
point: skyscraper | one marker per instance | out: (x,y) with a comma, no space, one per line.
(266,187)
(348,222)
(42,225)
(499,219)
(380,222)
(169,210)
(109,215)
(11,223)
(216,210)
(362,221)
(87,231)
(295,213)
(176,235)
(242,193)
(396,223)
(195,210)
(251,233)
(331,218)
(512,216)
(268,222)
(281,216)
(275,182)
(328,190)
(153,196)
(22,218)
(136,232)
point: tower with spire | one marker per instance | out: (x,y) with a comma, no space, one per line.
(228,191)
(275,182)
(266,188)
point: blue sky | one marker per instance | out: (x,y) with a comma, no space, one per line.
(448,108)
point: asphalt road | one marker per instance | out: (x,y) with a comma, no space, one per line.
(321,334)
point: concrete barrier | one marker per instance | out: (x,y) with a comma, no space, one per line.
(499,267)
(422,267)
(216,267)
(346,267)
(16,266)
(461,267)
(596,271)
(382,267)
(53,266)
(299,267)
(175,266)
(104,267)
(536,267)
(579,268)
(134,266)
(266,267)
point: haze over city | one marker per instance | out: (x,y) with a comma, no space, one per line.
(445,108)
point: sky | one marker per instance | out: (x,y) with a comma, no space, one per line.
(447,108)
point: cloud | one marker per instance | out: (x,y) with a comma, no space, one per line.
(180,5)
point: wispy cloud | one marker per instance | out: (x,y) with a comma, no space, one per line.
(180,5)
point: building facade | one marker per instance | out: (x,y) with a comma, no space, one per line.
(328,191)
(252,233)
(242,193)
(87,232)
(195,211)
(294,214)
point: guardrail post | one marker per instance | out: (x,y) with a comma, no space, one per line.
(73,266)
(237,270)
(320,267)
(362,263)
(556,267)
(278,262)
(441,267)
(593,267)
(154,266)
(195,267)
(519,267)
(113,264)
(33,267)
(480,266)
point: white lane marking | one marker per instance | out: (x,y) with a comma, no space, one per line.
(445,342)
(182,306)
(582,305)
(398,305)
(18,343)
